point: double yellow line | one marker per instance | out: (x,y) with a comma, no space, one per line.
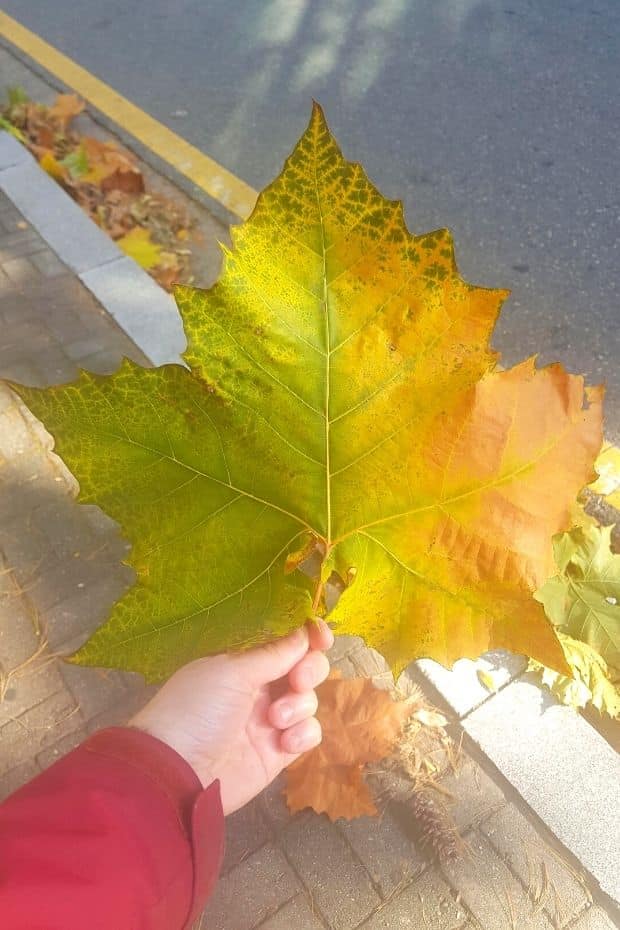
(204,172)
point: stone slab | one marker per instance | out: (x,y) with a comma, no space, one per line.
(12,152)
(460,687)
(72,235)
(140,307)
(567,773)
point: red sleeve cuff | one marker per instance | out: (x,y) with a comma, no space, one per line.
(199,811)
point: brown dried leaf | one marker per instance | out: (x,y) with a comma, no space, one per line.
(65,108)
(360,724)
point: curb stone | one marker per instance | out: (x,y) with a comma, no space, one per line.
(131,297)
(544,744)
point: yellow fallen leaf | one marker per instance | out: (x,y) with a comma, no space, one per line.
(491,679)
(137,244)
(607,467)
(430,718)
(52,167)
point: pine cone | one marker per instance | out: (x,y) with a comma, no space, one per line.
(429,825)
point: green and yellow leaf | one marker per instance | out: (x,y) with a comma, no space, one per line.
(607,467)
(589,682)
(340,396)
(583,600)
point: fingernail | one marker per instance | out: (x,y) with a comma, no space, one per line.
(286,712)
(301,743)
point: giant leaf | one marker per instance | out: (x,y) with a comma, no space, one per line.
(583,599)
(340,396)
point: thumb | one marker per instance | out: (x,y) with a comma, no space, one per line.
(265,664)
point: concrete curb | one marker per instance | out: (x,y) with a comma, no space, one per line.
(132,298)
(562,768)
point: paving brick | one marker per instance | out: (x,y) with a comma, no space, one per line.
(595,919)
(387,853)
(24,546)
(7,291)
(296,915)
(48,264)
(17,777)
(22,372)
(55,366)
(100,523)
(566,772)
(94,689)
(538,866)
(274,805)
(64,324)
(19,270)
(118,714)
(490,892)
(41,726)
(336,880)
(65,527)
(85,608)
(345,666)
(475,794)
(103,362)
(29,247)
(31,686)
(369,663)
(343,645)
(246,830)
(11,240)
(425,905)
(78,584)
(16,307)
(48,756)
(254,890)
(11,217)
(19,637)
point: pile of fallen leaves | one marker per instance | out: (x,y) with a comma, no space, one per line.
(378,749)
(107,183)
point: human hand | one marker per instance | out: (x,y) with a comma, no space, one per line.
(243,717)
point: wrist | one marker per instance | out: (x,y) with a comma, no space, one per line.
(178,741)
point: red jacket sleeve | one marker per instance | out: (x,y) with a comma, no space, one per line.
(118,835)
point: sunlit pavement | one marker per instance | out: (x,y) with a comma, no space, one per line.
(500,120)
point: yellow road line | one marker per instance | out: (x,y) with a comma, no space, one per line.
(207,174)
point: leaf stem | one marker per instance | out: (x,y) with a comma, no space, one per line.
(317,598)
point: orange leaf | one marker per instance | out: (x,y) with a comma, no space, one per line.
(335,790)
(111,168)
(65,108)
(360,724)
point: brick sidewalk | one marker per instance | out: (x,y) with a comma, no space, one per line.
(60,571)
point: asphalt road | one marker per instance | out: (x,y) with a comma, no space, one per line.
(499,119)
